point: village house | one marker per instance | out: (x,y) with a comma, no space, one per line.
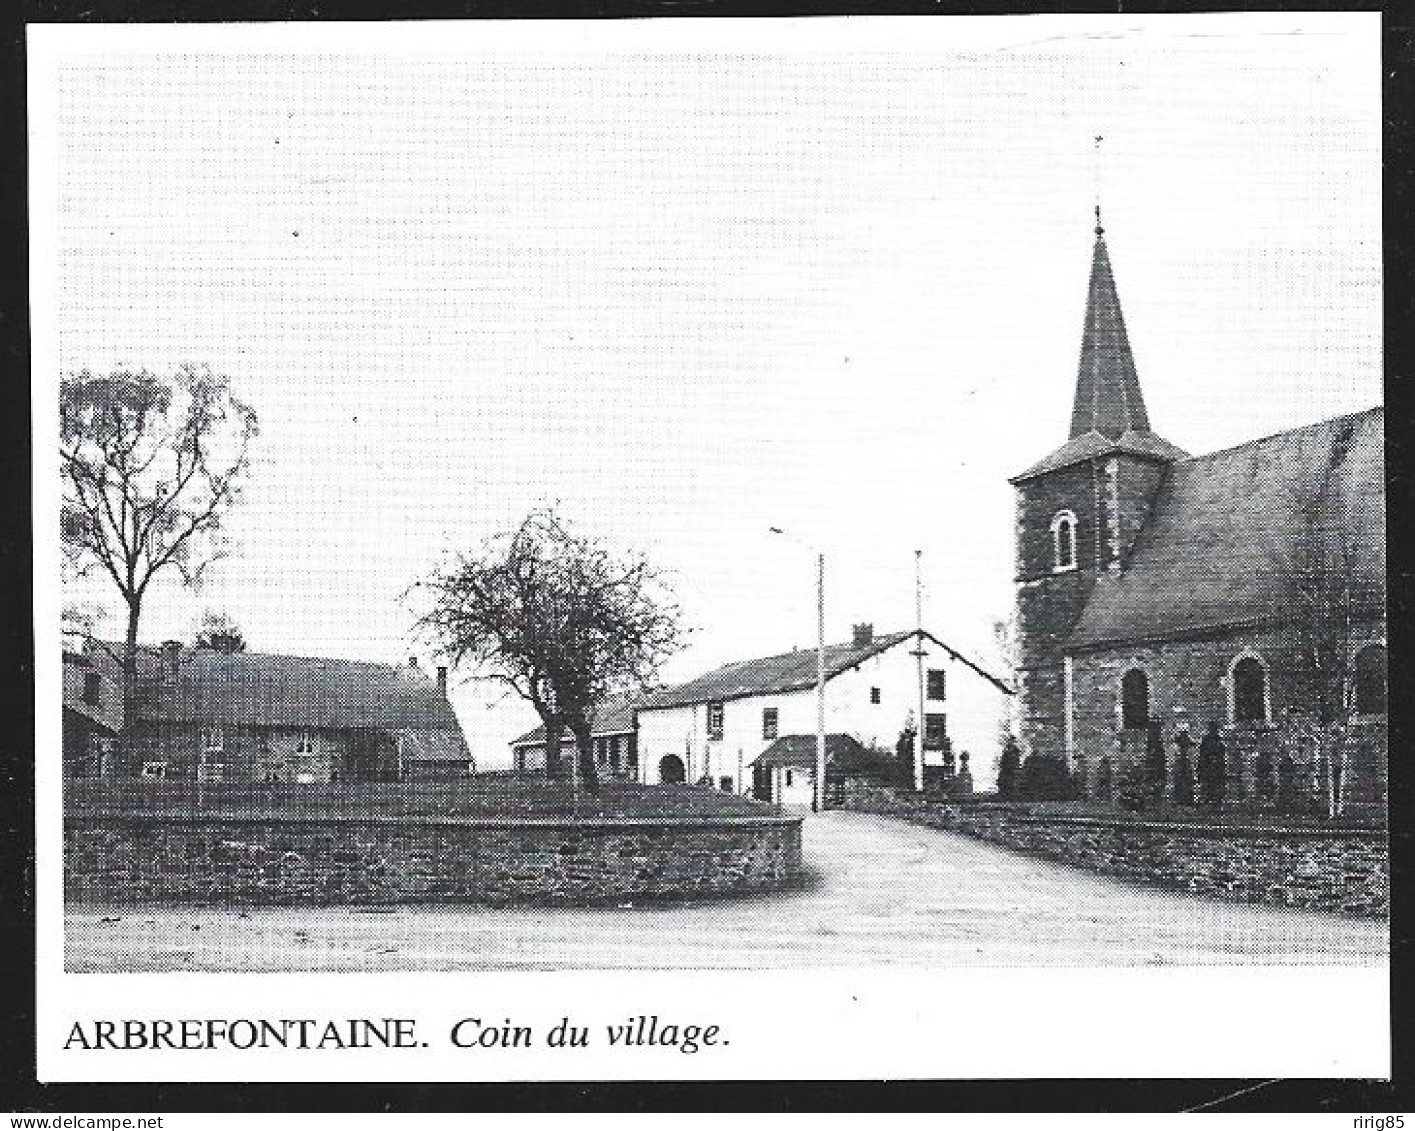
(93,703)
(612,737)
(1157,586)
(718,728)
(249,716)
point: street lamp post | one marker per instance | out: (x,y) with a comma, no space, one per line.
(818,792)
(818,795)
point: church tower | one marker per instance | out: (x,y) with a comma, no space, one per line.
(1080,508)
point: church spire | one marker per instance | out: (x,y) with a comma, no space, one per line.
(1108,397)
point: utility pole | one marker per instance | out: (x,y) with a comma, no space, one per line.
(818,797)
(818,792)
(919,669)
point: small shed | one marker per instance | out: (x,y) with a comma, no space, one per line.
(785,772)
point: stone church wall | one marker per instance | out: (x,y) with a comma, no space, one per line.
(1189,680)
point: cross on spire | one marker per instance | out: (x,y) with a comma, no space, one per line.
(1096,173)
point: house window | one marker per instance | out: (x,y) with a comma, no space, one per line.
(790,777)
(305,759)
(714,722)
(874,695)
(1063,541)
(935,730)
(1370,680)
(1134,700)
(93,689)
(770,721)
(937,684)
(154,769)
(1249,691)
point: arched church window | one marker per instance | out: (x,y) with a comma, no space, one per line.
(1249,691)
(1369,678)
(1134,699)
(1063,538)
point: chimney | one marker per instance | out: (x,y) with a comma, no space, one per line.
(863,634)
(171,651)
(442,680)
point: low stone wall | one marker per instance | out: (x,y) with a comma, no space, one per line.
(1319,869)
(136,858)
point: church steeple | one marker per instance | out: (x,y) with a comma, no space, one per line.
(1108,398)
(1108,416)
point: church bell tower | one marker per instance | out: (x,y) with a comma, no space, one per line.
(1080,508)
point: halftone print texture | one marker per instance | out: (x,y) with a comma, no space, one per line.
(737,416)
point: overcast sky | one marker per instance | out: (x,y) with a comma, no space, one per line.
(692,281)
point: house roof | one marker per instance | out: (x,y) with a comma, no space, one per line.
(432,746)
(842,752)
(262,689)
(1227,533)
(614,716)
(789,671)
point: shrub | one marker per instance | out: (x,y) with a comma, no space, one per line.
(1103,787)
(1045,778)
(1183,770)
(1009,767)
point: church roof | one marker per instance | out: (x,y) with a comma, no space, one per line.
(1109,412)
(1093,445)
(1228,531)
(1108,397)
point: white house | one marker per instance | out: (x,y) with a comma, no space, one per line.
(713,728)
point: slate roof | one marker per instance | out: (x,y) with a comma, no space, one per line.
(788,671)
(1108,415)
(433,746)
(1108,399)
(842,752)
(1221,544)
(614,716)
(1093,446)
(262,689)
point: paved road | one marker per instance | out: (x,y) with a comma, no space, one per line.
(886,892)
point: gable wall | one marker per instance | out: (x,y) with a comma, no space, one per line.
(973,707)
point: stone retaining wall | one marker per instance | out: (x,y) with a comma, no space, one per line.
(137,858)
(1319,869)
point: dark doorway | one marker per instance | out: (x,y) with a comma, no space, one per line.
(761,782)
(670,770)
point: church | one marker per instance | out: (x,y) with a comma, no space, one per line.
(1241,591)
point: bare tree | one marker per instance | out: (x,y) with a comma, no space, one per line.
(558,619)
(220,633)
(150,469)
(1333,592)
